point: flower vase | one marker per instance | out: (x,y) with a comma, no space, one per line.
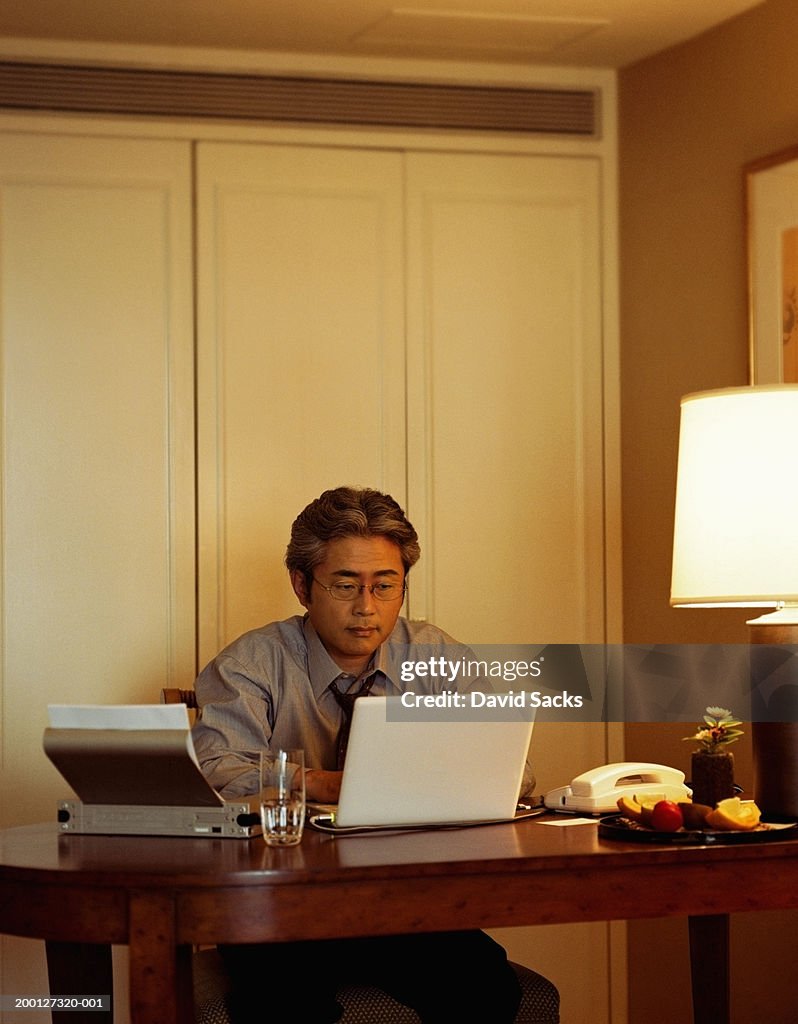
(712,777)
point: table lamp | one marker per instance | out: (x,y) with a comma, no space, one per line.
(736,540)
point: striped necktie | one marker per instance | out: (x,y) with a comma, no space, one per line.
(347,703)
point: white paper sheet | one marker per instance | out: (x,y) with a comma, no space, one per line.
(118,716)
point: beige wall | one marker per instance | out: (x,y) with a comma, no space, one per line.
(689,119)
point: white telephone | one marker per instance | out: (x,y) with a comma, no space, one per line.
(597,791)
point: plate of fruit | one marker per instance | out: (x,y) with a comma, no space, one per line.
(655,818)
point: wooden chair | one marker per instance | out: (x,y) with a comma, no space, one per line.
(363,1004)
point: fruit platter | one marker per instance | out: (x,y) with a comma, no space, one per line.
(670,818)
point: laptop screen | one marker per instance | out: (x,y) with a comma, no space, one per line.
(400,772)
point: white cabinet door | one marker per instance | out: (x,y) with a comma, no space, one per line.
(505,365)
(301,358)
(97,444)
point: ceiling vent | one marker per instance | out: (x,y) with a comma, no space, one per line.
(145,92)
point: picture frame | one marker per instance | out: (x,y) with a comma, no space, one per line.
(771,222)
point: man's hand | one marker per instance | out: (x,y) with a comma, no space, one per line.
(322,787)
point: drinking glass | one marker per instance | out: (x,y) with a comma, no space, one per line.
(282,799)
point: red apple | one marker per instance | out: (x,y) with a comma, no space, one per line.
(666,816)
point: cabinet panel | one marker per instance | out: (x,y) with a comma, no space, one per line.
(506,403)
(97,445)
(301,358)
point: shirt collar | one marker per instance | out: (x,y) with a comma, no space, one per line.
(322,670)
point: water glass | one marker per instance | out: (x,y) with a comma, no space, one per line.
(282,799)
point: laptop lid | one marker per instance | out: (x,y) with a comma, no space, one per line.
(400,772)
(128,754)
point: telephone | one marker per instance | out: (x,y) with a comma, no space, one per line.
(597,791)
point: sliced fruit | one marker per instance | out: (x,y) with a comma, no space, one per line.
(675,793)
(666,816)
(638,806)
(734,815)
(695,815)
(629,807)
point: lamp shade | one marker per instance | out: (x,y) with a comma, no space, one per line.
(736,522)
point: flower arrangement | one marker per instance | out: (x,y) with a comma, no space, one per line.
(720,728)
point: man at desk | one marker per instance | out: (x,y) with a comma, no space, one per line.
(292,684)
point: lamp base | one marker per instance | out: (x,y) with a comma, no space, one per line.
(775,744)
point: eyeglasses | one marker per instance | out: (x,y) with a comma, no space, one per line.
(347,590)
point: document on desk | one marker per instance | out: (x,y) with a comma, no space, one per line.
(571,821)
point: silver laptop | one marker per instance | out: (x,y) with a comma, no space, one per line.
(408,773)
(134,771)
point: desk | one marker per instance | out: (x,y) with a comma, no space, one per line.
(161,895)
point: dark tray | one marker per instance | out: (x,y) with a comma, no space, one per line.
(615,826)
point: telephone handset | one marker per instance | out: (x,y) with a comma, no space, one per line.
(597,791)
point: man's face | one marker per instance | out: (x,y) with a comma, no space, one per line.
(352,630)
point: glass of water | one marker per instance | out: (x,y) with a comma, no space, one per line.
(282,799)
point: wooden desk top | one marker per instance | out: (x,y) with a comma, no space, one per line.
(42,853)
(525,873)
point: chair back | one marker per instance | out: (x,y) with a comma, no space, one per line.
(173,695)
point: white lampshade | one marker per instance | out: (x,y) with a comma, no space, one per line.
(736,527)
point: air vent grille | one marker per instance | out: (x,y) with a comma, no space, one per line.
(145,92)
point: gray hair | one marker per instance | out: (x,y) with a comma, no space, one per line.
(348,512)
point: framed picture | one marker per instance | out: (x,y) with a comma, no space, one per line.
(771,202)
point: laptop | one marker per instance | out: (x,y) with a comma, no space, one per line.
(401,773)
(134,771)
